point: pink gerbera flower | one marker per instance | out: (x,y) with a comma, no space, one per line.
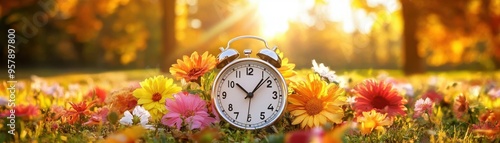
(187,109)
(423,105)
(435,96)
(99,117)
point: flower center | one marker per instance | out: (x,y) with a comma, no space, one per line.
(379,102)
(314,106)
(189,113)
(156,97)
(136,120)
(194,72)
(369,124)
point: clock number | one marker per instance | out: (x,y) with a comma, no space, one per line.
(230,108)
(269,82)
(224,94)
(275,95)
(230,84)
(270,107)
(238,74)
(249,118)
(237,114)
(262,116)
(249,71)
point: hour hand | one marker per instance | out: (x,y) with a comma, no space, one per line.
(242,88)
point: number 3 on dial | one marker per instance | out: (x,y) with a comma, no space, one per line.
(249,93)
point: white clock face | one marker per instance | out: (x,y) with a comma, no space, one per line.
(250,93)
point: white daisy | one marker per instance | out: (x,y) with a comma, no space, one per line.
(325,72)
(3,101)
(55,90)
(475,91)
(37,83)
(351,100)
(494,93)
(138,116)
(343,81)
(432,81)
(407,88)
(73,87)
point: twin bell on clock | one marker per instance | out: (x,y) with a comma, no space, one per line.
(250,92)
(267,54)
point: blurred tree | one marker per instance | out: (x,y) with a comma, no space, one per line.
(450,32)
(169,33)
(100,33)
(9,7)
(413,63)
(128,32)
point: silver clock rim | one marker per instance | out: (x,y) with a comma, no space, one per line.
(284,88)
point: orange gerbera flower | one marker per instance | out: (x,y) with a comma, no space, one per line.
(373,120)
(122,100)
(379,96)
(315,102)
(192,68)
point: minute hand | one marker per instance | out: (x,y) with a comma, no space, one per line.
(260,84)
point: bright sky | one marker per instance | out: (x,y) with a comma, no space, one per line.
(276,14)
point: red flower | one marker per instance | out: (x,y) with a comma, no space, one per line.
(435,96)
(489,124)
(98,93)
(379,96)
(460,106)
(305,136)
(25,112)
(82,108)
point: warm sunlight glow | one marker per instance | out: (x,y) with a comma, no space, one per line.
(341,11)
(275,14)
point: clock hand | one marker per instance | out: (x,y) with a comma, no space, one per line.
(260,84)
(243,89)
(251,93)
(248,111)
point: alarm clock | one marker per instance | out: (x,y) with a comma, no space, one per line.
(249,93)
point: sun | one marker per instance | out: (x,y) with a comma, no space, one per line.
(275,15)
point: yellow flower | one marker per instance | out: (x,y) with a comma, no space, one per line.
(315,102)
(373,120)
(336,135)
(128,135)
(286,68)
(490,102)
(192,68)
(153,93)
